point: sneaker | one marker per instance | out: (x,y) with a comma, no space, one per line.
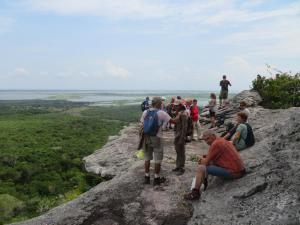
(175,169)
(147,180)
(158,181)
(193,195)
(180,172)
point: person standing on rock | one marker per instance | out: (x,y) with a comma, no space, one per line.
(154,119)
(180,133)
(222,160)
(195,117)
(145,104)
(224,90)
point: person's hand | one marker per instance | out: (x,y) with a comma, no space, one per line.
(201,159)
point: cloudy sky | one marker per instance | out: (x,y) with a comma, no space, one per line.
(145,44)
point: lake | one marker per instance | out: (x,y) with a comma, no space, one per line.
(111,97)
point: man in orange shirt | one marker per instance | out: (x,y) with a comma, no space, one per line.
(222,160)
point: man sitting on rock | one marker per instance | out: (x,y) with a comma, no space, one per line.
(222,160)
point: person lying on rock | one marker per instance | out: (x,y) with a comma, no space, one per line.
(222,160)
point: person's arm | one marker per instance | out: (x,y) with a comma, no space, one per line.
(176,119)
(226,136)
(203,160)
(236,137)
(184,120)
(229,83)
(214,152)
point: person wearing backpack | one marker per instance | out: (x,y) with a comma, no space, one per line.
(240,136)
(180,133)
(153,120)
(145,104)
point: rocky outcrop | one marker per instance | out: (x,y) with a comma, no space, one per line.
(268,194)
(270,191)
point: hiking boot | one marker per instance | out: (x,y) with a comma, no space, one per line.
(158,181)
(147,180)
(175,169)
(180,171)
(193,195)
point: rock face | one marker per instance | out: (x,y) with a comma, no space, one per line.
(268,194)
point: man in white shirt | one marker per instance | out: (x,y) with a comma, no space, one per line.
(153,145)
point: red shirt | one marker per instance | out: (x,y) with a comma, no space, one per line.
(222,153)
(194,113)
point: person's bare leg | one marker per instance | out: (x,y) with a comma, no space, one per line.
(213,121)
(199,179)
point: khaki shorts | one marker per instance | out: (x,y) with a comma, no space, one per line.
(154,146)
(223,95)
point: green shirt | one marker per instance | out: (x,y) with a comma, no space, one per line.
(240,144)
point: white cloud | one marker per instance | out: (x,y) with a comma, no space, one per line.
(275,38)
(241,70)
(238,63)
(216,12)
(115,70)
(115,9)
(21,71)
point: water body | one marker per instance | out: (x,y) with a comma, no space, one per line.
(112,97)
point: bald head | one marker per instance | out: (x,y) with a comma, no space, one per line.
(209,136)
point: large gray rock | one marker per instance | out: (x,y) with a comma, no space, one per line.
(252,98)
(268,194)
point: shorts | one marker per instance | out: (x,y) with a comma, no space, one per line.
(216,171)
(212,113)
(154,147)
(223,94)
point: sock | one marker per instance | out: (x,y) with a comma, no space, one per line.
(147,174)
(156,175)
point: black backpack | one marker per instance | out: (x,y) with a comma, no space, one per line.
(250,140)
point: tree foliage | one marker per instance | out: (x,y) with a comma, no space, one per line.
(41,150)
(282,91)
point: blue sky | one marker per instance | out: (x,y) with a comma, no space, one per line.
(145,44)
